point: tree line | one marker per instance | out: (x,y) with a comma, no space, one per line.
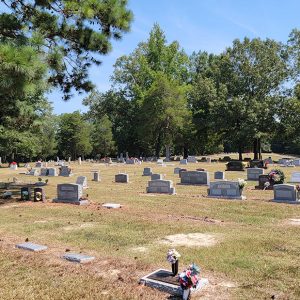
(161,99)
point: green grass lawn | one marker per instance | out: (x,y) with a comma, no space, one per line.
(256,254)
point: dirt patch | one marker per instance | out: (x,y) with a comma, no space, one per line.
(191,240)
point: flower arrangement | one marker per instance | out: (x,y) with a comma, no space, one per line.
(189,277)
(13,163)
(172,256)
(276,176)
(242,183)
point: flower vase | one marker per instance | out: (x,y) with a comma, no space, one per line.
(175,268)
(186,294)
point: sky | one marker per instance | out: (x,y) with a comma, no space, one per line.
(206,25)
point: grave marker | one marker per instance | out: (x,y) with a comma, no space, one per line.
(156,176)
(194,177)
(122,178)
(285,193)
(160,186)
(70,193)
(31,247)
(295,177)
(82,180)
(147,172)
(219,175)
(253,173)
(226,190)
(78,258)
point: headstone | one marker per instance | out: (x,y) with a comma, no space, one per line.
(96,176)
(79,160)
(285,193)
(52,172)
(122,177)
(111,205)
(0,160)
(35,172)
(184,162)
(31,247)
(177,170)
(44,172)
(156,177)
(296,162)
(82,180)
(262,179)
(268,160)
(13,166)
(25,194)
(79,258)
(39,194)
(160,186)
(192,159)
(257,164)
(70,193)
(147,172)
(180,171)
(201,169)
(226,190)
(65,171)
(219,175)
(57,159)
(194,177)
(295,177)
(208,159)
(38,164)
(253,173)
(27,165)
(69,159)
(127,156)
(235,166)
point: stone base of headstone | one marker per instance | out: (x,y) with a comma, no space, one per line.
(228,197)
(78,258)
(77,202)
(31,247)
(164,281)
(286,201)
(111,205)
(269,188)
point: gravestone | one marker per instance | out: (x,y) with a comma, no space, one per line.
(226,190)
(70,193)
(296,162)
(194,177)
(96,176)
(160,162)
(208,159)
(201,169)
(177,170)
(31,247)
(295,177)
(82,180)
(34,172)
(156,177)
(160,186)
(285,193)
(111,205)
(192,159)
(65,171)
(268,160)
(184,162)
(257,164)
(44,172)
(262,179)
(0,160)
(219,175)
(13,167)
(253,173)
(27,165)
(147,172)
(78,258)
(180,171)
(122,178)
(25,194)
(235,166)
(79,160)
(39,194)
(39,164)
(52,172)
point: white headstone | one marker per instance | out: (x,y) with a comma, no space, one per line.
(295,177)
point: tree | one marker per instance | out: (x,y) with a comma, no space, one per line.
(73,135)
(69,34)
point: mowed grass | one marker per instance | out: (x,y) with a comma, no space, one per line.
(257,250)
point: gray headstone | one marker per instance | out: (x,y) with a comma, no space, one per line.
(160,186)
(79,258)
(285,193)
(31,247)
(183,162)
(35,172)
(295,177)
(147,172)
(52,172)
(192,159)
(156,176)
(122,177)
(194,177)
(44,171)
(225,189)
(177,170)
(82,180)
(96,176)
(70,193)
(38,164)
(220,175)
(296,162)
(253,173)
(65,171)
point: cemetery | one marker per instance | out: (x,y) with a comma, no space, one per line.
(123,245)
(149,150)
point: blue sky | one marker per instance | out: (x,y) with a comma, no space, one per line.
(207,25)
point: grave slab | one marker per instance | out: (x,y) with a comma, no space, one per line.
(164,281)
(79,258)
(31,247)
(111,205)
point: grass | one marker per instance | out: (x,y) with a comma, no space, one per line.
(257,250)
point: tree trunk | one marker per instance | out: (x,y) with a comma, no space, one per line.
(240,153)
(259,148)
(255,148)
(185,152)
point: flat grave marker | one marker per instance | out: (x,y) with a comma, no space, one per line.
(31,247)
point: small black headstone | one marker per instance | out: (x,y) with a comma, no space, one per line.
(39,194)
(25,194)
